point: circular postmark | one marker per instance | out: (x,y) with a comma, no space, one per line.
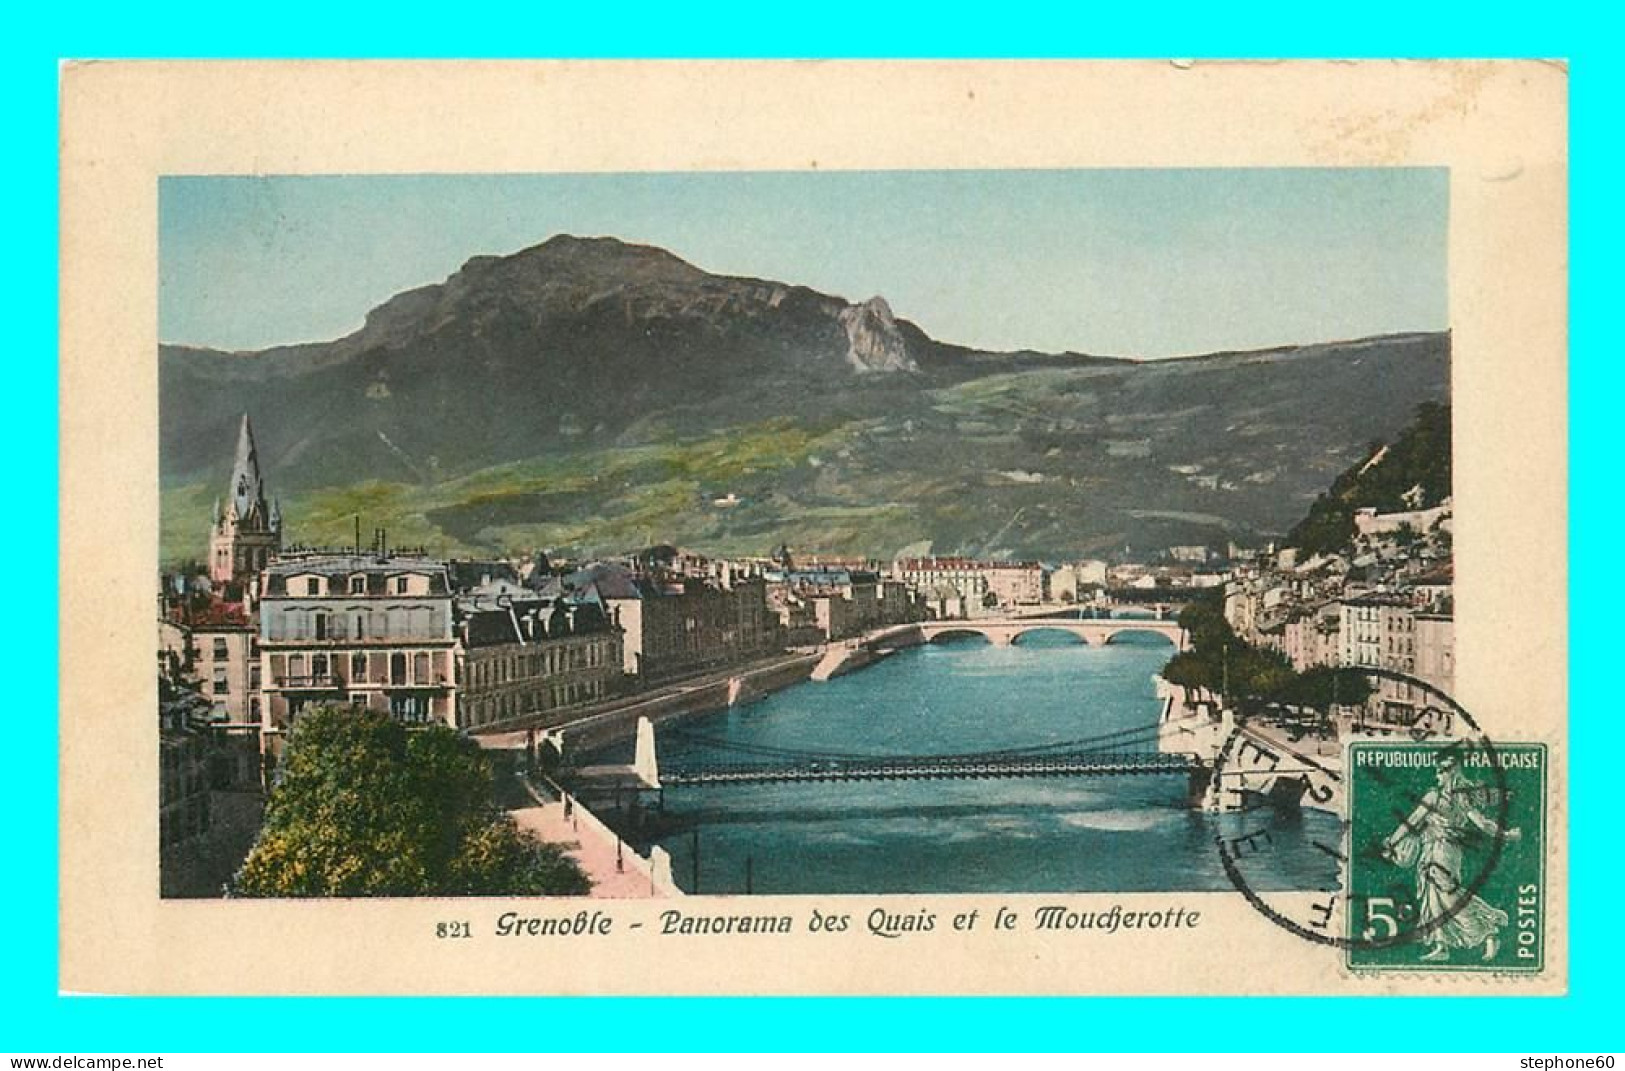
(1430,830)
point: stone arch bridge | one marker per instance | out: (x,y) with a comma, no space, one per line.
(1004,631)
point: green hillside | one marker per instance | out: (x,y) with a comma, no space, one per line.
(1419,457)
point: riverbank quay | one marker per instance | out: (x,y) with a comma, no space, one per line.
(1259,760)
(616,871)
(616,720)
(848,656)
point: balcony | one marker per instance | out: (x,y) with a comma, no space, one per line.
(320,682)
(402,685)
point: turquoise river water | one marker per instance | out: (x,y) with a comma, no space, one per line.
(1077,834)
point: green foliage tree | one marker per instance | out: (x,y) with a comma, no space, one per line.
(1324,687)
(1190,671)
(365,808)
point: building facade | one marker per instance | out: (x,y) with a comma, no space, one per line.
(965,575)
(674,625)
(1436,650)
(217,646)
(370,630)
(520,655)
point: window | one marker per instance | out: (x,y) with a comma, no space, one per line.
(401,584)
(420,668)
(220,653)
(410,708)
(358,667)
(397,668)
(318,665)
(313,586)
(321,626)
(220,685)
(358,585)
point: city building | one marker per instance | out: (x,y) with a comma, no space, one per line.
(524,655)
(216,644)
(674,624)
(965,575)
(371,630)
(1312,637)
(1017,583)
(1077,581)
(981,584)
(840,601)
(1436,650)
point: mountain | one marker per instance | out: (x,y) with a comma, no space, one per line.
(588,395)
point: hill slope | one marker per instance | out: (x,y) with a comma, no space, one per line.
(588,395)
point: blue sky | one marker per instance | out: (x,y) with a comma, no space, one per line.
(1133,263)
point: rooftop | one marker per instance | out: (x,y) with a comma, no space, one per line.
(350,564)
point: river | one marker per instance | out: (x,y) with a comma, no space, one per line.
(1079,834)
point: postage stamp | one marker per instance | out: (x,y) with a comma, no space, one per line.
(1447,867)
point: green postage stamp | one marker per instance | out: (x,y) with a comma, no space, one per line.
(1447,867)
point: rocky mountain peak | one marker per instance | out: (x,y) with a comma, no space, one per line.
(874,341)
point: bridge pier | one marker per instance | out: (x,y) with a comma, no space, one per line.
(1201,779)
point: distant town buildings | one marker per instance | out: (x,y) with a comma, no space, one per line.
(1077,581)
(274,628)
(1383,603)
(979,583)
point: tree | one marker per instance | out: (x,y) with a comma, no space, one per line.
(1192,672)
(362,807)
(1219,661)
(1323,687)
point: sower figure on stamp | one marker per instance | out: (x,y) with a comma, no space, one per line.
(1431,840)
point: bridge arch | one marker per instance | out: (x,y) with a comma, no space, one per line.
(1075,637)
(1139,630)
(959,635)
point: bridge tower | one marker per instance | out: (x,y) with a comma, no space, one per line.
(644,762)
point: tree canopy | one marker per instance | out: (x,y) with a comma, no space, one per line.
(365,807)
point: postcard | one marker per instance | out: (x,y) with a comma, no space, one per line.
(814,527)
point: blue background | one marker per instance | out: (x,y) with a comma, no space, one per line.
(33,1018)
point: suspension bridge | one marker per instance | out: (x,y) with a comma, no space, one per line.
(1126,752)
(903,768)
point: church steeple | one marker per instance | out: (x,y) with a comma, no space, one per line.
(247,490)
(247,534)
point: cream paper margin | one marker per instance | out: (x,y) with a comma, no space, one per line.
(1499,126)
